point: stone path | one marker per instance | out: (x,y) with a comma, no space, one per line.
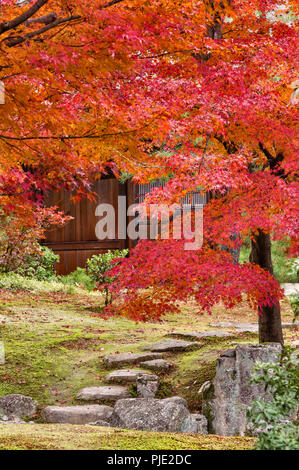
(199,335)
(78,414)
(248,327)
(159,365)
(290,288)
(118,360)
(172,345)
(146,385)
(107,393)
(124,375)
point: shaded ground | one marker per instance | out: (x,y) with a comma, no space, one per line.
(54,343)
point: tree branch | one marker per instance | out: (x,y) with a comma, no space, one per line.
(46,19)
(14,41)
(113,2)
(8,25)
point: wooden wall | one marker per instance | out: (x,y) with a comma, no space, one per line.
(77,241)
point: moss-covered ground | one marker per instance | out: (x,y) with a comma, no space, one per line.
(66,436)
(54,344)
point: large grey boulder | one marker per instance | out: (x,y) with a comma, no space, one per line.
(172,345)
(17,406)
(230,393)
(152,414)
(118,360)
(86,414)
(107,393)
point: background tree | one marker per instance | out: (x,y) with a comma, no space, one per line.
(96,85)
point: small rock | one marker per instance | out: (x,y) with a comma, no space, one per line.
(17,406)
(109,393)
(204,387)
(147,385)
(100,423)
(85,414)
(199,424)
(172,345)
(115,360)
(158,365)
(124,375)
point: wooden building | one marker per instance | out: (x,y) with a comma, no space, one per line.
(77,241)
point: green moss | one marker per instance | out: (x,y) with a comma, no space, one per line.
(65,436)
(55,343)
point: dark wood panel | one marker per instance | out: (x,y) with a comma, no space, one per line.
(77,241)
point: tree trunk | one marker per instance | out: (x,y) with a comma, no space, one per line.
(270,330)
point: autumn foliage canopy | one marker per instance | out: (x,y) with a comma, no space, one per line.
(201,92)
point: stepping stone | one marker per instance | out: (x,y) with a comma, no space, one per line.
(290,288)
(125,375)
(247,329)
(239,327)
(172,345)
(115,360)
(86,414)
(225,324)
(109,393)
(204,334)
(290,324)
(158,365)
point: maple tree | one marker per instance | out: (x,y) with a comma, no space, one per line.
(198,90)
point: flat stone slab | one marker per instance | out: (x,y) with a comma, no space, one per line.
(158,365)
(231,324)
(290,288)
(172,345)
(109,393)
(248,327)
(290,324)
(125,375)
(86,414)
(115,360)
(199,335)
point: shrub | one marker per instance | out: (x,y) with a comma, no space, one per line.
(97,267)
(79,278)
(40,266)
(294,268)
(273,420)
(294,301)
(15,282)
(19,239)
